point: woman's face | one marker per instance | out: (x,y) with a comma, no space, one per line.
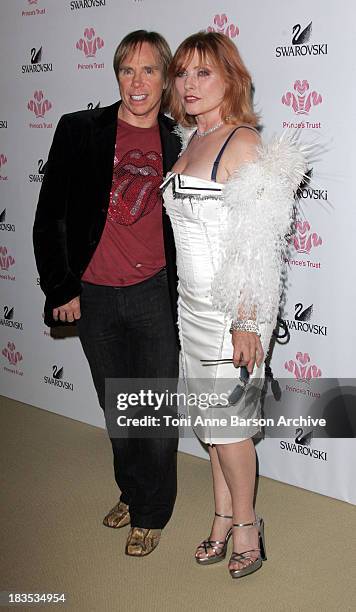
(200,86)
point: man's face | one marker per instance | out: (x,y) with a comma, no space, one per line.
(141,85)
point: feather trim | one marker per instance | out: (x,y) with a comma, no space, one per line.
(184,135)
(260,202)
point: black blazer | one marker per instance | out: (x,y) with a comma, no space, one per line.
(74,200)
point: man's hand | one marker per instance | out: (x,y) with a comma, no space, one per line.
(247,350)
(68,312)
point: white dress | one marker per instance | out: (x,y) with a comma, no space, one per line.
(230,240)
(198,219)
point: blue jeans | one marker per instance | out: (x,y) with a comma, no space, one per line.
(128,332)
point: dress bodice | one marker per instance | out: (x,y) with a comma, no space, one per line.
(198,216)
(187,186)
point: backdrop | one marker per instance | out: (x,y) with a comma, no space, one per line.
(56,57)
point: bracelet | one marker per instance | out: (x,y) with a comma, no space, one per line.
(248,326)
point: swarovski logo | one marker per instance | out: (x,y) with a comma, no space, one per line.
(91,106)
(304,190)
(6,227)
(83,4)
(37,177)
(300,44)
(36,65)
(56,380)
(301,36)
(8,319)
(302,321)
(302,446)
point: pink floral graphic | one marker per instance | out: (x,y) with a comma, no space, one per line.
(302,101)
(5,260)
(11,354)
(3,159)
(304,240)
(221,25)
(39,106)
(90,43)
(301,368)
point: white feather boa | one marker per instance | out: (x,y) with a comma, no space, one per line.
(184,134)
(260,202)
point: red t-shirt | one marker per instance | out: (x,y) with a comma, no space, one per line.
(131,247)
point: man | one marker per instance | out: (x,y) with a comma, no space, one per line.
(106,258)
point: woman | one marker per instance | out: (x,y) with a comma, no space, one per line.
(228,272)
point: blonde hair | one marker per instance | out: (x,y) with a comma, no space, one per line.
(222,52)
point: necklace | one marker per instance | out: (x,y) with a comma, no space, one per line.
(210,130)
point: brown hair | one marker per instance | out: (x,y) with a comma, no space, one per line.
(135,39)
(222,52)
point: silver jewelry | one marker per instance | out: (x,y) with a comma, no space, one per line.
(248,326)
(210,130)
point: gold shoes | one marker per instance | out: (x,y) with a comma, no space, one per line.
(254,560)
(118,516)
(142,542)
(218,547)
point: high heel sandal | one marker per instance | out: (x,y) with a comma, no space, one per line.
(218,546)
(245,556)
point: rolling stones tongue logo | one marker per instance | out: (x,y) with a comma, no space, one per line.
(135,185)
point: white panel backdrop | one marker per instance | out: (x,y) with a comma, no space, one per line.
(71,44)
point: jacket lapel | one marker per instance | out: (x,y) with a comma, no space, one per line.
(170,145)
(105,125)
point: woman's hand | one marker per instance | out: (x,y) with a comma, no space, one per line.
(247,350)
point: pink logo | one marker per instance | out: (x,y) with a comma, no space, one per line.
(39,106)
(301,368)
(11,354)
(5,260)
(90,43)
(3,160)
(32,1)
(304,240)
(221,25)
(302,101)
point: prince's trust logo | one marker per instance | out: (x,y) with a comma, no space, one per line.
(301,368)
(221,24)
(304,241)
(3,162)
(90,44)
(39,105)
(35,10)
(13,357)
(6,263)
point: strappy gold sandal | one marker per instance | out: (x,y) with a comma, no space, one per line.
(254,564)
(218,546)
